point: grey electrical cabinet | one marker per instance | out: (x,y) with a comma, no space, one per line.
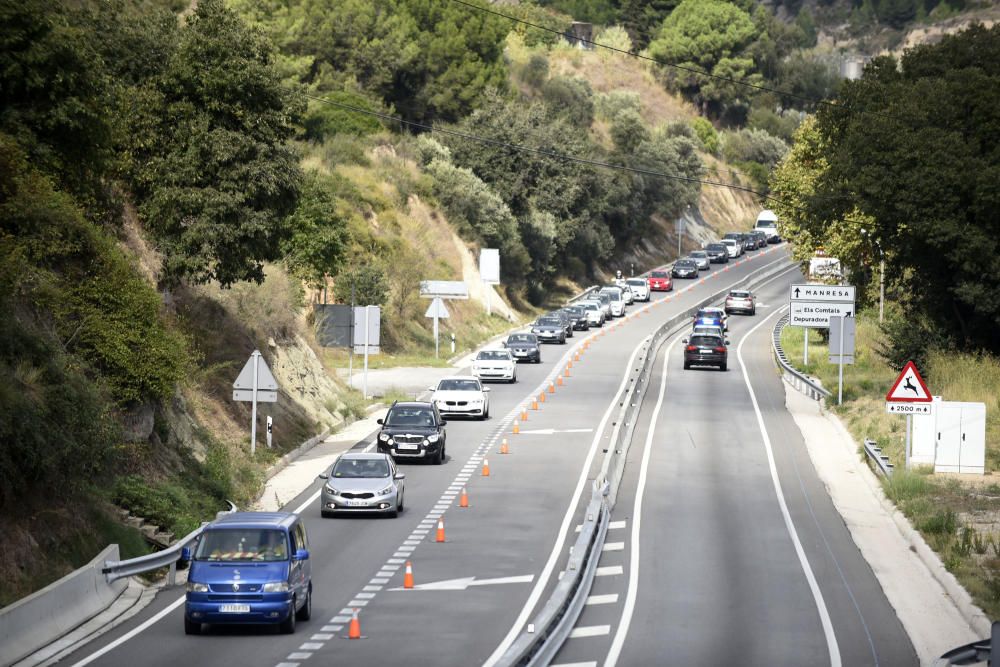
(960,437)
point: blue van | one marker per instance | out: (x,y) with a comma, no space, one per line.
(249,567)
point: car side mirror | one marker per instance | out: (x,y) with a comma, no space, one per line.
(399,476)
(727,342)
(685,341)
(323,475)
(301,554)
(431,388)
(185,554)
(443,422)
(379,421)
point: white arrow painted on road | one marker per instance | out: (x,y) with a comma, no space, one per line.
(550,431)
(465,582)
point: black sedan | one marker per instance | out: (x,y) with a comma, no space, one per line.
(524,347)
(706,350)
(549,329)
(578,316)
(717,253)
(685,268)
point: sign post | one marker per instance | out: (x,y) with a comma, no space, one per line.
(270,425)
(842,339)
(437,311)
(367,328)
(909,395)
(255,383)
(489,273)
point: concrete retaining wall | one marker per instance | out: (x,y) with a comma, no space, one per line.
(35,621)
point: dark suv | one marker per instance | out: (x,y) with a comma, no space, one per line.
(706,350)
(413,430)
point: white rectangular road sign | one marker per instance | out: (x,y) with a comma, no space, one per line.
(814,292)
(263,395)
(848,349)
(817,314)
(909,408)
(489,265)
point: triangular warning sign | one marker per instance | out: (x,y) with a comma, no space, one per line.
(265,379)
(909,387)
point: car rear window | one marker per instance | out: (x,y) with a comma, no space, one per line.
(706,341)
(658,274)
(549,321)
(739,295)
(493,355)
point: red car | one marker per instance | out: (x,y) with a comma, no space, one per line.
(660,281)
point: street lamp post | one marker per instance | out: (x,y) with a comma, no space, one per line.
(881,274)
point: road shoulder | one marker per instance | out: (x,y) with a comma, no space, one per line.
(935,610)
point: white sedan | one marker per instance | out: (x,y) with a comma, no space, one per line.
(461,395)
(639,287)
(495,365)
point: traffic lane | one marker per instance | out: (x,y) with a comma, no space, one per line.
(337,547)
(719,579)
(358,533)
(867,628)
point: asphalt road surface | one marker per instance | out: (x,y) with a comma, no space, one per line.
(719,578)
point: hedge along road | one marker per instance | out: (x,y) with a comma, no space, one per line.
(509,536)
(731,551)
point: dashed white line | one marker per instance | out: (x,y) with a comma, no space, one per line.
(590,631)
(610,598)
(609,571)
(613,546)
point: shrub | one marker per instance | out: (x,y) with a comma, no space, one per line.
(614,36)
(753,146)
(370,286)
(571,98)
(325,120)
(707,135)
(536,70)
(429,149)
(609,105)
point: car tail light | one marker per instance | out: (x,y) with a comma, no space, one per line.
(692,348)
(719,349)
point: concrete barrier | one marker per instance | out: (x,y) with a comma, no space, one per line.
(42,617)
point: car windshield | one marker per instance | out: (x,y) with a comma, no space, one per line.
(716,247)
(767,223)
(492,355)
(638,282)
(685,262)
(706,341)
(699,254)
(658,274)
(604,297)
(591,306)
(410,416)
(242,544)
(707,315)
(359,468)
(454,384)
(521,338)
(549,322)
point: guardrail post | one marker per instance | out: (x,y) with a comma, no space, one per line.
(172,575)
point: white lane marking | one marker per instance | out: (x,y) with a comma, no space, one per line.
(299,656)
(576,664)
(321,637)
(128,635)
(358,603)
(311,646)
(613,546)
(557,548)
(590,631)
(343,618)
(372,588)
(824,613)
(609,571)
(393,561)
(288,664)
(331,628)
(633,574)
(610,598)
(365,596)
(378,580)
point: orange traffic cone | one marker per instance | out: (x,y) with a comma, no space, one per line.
(559,380)
(463,500)
(440,531)
(552,388)
(408,576)
(504,449)
(566,370)
(541,397)
(569,364)
(534,403)
(524,414)
(576,358)
(486,467)
(517,427)
(354,629)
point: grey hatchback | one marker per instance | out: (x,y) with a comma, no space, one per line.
(365,482)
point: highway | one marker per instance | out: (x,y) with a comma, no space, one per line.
(719,579)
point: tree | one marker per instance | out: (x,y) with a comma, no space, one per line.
(367,285)
(571,98)
(708,36)
(318,240)
(641,18)
(628,131)
(922,164)
(208,154)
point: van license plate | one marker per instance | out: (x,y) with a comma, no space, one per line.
(234,608)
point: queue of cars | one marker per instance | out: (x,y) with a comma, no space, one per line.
(707,344)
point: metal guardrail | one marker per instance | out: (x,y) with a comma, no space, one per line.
(874,452)
(797,379)
(551,626)
(168,557)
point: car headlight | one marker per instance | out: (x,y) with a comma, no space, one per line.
(386,491)
(383,437)
(276,587)
(332,490)
(433,438)
(194,587)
